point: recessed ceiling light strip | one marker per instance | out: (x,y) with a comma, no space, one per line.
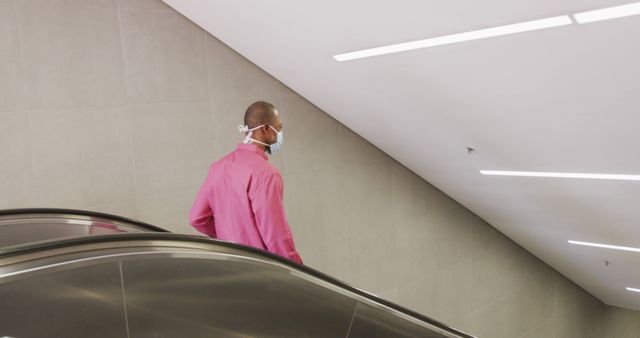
(456,38)
(563,20)
(561,175)
(608,13)
(605,246)
(633,289)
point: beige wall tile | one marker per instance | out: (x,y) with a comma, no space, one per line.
(15,160)
(164,55)
(487,321)
(81,157)
(366,192)
(145,4)
(173,145)
(331,203)
(488,278)
(12,93)
(522,268)
(83,3)
(621,323)
(411,195)
(453,232)
(314,207)
(454,291)
(312,137)
(358,150)
(401,188)
(417,247)
(419,294)
(527,307)
(125,209)
(574,323)
(486,238)
(301,211)
(596,311)
(373,260)
(234,77)
(330,257)
(71,53)
(546,329)
(168,211)
(567,295)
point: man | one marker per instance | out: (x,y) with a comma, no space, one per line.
(241,200)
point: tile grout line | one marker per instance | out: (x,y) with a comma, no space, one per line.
(22,61)
(32,160)
(168,10)
(168,193)
(210,99)
(106,106)
(129,111)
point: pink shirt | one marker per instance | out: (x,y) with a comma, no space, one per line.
(241,201)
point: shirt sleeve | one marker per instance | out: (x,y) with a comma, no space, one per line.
(201,215)
(271,220)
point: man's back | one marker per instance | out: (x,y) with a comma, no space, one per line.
(241,201)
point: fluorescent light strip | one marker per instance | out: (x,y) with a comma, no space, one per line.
(633,289)
(456,38)
(608,13)
(605,246)
(561,175)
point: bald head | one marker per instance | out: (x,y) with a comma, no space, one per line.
(260,113)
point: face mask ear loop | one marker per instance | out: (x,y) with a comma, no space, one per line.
(248,139)
(245,129)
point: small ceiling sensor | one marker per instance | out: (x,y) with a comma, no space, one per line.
(470,150)
(607,263)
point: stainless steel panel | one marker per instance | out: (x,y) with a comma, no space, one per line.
(83,302)
(182,286)
(30,228)
(37,230)
(374,322)
(213,298)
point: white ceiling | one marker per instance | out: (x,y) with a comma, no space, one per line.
(563,100)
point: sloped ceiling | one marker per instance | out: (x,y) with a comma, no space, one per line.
(565,100)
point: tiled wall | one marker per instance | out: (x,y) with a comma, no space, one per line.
(120,106)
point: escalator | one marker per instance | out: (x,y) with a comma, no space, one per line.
(67,273)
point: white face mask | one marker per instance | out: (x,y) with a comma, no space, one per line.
(274,147)
(279,141)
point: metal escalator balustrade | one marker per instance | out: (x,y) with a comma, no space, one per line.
(146,284)
(23,226)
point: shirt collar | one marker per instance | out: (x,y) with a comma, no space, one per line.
(253,148)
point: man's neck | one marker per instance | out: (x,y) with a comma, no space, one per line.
(261,146)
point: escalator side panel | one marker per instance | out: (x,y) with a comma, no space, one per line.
(373,322)
(68,303)
(203,298)
(164,285)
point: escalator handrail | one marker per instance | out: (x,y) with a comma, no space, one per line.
(84,213)
(161,234)
(64,243)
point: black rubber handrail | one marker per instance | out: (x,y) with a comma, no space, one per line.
(53,211)
(162,234)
